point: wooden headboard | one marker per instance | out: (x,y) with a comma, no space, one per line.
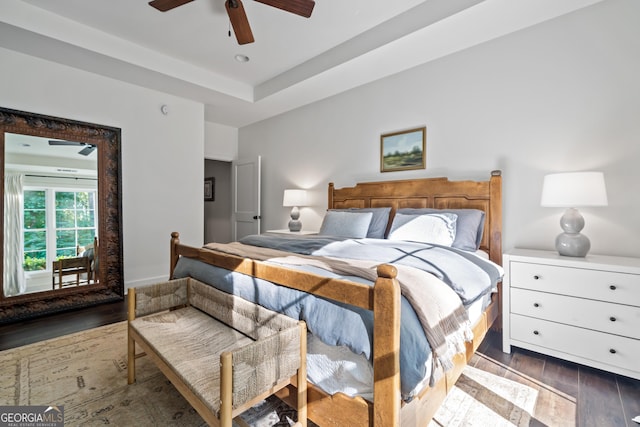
(438,193)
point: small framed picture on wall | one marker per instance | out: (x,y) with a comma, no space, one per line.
(403,150)
(209,189)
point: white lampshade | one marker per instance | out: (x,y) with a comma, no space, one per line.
(574,189)
(294,198)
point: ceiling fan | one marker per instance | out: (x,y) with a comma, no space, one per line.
(88,148)
(237,15)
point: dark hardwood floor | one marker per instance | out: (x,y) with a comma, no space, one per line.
(568,394)
(42,328)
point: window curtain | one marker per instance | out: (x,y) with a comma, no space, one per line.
(14,278)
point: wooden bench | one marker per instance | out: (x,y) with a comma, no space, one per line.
(223,353)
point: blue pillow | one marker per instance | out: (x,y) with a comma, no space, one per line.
(379,220)
(346,224)
(469,225)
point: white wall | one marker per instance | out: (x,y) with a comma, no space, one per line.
(162,169)
(560,96)
(221,142)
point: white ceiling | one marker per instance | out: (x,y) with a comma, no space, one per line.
(32,154)
(294,61)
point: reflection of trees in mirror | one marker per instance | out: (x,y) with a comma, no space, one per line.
(72,224)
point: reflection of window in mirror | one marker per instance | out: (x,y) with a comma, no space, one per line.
(54,185)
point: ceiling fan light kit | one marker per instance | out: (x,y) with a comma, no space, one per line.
(238,16)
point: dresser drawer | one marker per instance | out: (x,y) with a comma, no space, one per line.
(600,347)
(600,316)
(600,285)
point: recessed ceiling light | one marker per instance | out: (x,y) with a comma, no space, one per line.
(242,58)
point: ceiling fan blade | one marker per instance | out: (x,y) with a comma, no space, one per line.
(52,142)
(239,21)
(87,150)
(164,5)
(299,7)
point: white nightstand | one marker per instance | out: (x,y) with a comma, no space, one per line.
(299,233)
(586,310)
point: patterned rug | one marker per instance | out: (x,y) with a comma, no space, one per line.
(87,373)
(483,399)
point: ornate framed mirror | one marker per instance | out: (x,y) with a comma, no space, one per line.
(58,221)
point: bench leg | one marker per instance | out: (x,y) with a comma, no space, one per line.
(131,344)
(226,389)
(302,377)
(131,360)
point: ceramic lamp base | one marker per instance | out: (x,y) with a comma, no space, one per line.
(295,224)
(571,242)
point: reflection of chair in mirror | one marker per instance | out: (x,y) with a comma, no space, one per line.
(69,267)
(84,266)
(90,251)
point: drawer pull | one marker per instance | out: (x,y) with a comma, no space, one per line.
(612,350)
(536,277)
(612,287)
(535,304)
(613,319)
(536,333)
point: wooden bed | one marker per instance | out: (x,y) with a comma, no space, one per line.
(383,298)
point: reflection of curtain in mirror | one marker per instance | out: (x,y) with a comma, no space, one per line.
(14,279)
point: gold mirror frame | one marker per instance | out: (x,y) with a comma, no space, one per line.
(111,285)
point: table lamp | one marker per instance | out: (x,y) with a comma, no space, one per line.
(295,198)
(571,190)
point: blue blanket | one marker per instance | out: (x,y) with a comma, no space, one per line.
(468,275)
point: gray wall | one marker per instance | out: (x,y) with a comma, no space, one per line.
(560,96)
(217,213)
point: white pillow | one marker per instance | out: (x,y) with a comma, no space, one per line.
(439,229)
(346,224)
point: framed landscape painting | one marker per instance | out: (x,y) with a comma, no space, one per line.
(403,150)
(209,189)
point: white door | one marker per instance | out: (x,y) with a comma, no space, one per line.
(245,177)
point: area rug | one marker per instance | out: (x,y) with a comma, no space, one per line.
(482,399)
(87,373)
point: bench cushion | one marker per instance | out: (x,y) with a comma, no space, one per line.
(196,361)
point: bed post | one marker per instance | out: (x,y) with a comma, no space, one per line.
(330,201)
(175,241)
(495,212)
(386,350)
